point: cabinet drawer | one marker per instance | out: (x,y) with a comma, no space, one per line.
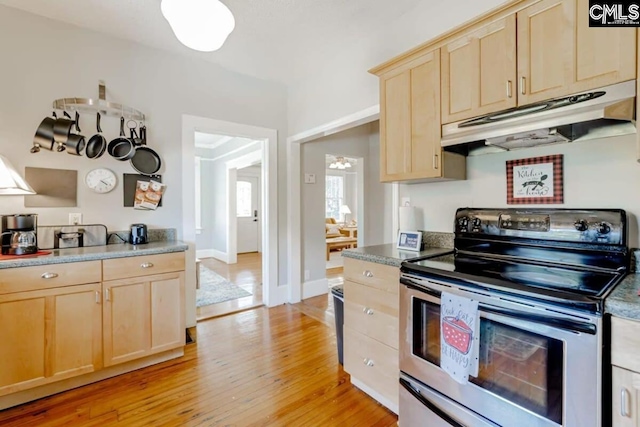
(49,276)
(380,276)
(371,312)
(143,265)
(625,343)
(372,363)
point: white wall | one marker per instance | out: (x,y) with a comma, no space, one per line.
(361,142)
(597,174)
(340,85)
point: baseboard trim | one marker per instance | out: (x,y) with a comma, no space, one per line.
(213,253)
(314,288)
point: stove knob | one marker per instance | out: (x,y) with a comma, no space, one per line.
(603,228)
(463,221)
(477,222)
(581,225)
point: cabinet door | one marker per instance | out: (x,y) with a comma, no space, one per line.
(604,56)
(626,385)
(546,48)
(410,120)
(479,72)
(49,335)
(143,316)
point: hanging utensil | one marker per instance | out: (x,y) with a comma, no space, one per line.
(121,148)
(62,129)
(97,144)
(44,134)
(75,142)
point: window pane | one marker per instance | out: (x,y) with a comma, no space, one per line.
(243,199)
(334,195)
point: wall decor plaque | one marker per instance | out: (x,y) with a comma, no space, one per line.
(535,181)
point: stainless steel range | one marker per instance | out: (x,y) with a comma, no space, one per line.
(540,277)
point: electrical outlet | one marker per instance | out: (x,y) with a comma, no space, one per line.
(75,218)
(306,275)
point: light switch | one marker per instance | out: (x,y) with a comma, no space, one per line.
(309,178)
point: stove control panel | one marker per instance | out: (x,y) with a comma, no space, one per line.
(595,226)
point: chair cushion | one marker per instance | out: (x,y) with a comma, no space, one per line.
(332,230)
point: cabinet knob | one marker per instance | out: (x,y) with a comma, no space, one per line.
(367,361)
(146,265)
(367,273)
(49,275)
(368,311)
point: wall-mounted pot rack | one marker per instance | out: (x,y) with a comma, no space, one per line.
(101,105)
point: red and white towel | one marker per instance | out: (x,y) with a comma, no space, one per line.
(459,336)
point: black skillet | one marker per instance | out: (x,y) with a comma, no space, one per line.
(97,143)
(146,161)
(122,148)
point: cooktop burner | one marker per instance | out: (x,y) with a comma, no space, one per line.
(563,256)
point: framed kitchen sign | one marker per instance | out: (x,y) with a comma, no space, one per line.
(409,240)
(535,181)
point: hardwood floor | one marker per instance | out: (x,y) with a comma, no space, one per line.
(247,274)
(262,367)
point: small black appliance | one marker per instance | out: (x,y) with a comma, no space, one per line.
(138,234)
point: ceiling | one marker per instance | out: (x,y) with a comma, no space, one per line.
(273,39)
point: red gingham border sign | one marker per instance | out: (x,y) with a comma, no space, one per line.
(558,179)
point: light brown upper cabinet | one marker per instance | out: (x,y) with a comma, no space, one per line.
(558,54)
(479,71)
(410,123)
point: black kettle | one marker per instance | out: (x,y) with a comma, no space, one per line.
(138,234)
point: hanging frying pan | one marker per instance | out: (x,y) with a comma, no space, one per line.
(145,161)
(97,143)
(121,148)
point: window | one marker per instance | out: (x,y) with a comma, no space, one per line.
(198,194)
(334,195)
(243,199)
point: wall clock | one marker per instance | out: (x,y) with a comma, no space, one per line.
(101,180)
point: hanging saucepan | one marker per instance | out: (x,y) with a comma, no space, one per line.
(61,130)
(44,135)
(97,144)
(146,161)
(75,142)
(121,148)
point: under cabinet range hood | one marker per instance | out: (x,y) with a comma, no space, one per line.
(600,113)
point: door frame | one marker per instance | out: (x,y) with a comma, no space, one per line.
(232,166)
(270,256)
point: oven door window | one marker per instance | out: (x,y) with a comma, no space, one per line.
(520,366)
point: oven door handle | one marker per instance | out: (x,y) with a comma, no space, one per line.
(432,406)
(556,322)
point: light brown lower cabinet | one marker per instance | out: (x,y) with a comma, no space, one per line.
(49,335)
(143,316)
(626,388)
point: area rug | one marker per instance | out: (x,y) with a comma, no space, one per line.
(215,288)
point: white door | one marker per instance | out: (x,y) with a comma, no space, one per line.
(248,214)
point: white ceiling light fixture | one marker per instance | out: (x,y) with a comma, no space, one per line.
(340,163)
(202,25)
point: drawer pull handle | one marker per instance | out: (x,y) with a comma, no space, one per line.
(107,294)
(97,297)
(624,403)
(367,273)
(523,85)
(509,94)
(367,361)
(368,311)
(146,265)
(49,275)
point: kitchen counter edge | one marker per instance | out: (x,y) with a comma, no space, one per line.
(124,250)
(388,254)
(624,301)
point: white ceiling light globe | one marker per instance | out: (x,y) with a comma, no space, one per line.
(202,25)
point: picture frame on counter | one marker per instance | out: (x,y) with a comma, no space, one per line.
(409,241)
(535,180)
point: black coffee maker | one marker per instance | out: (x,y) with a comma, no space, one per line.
(138,234)
(19,234)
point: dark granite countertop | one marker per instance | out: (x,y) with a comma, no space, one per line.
(61,256)
(388,254)
(624,301)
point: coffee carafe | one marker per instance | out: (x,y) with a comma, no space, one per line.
(19,234)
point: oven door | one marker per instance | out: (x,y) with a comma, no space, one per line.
(538,366)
